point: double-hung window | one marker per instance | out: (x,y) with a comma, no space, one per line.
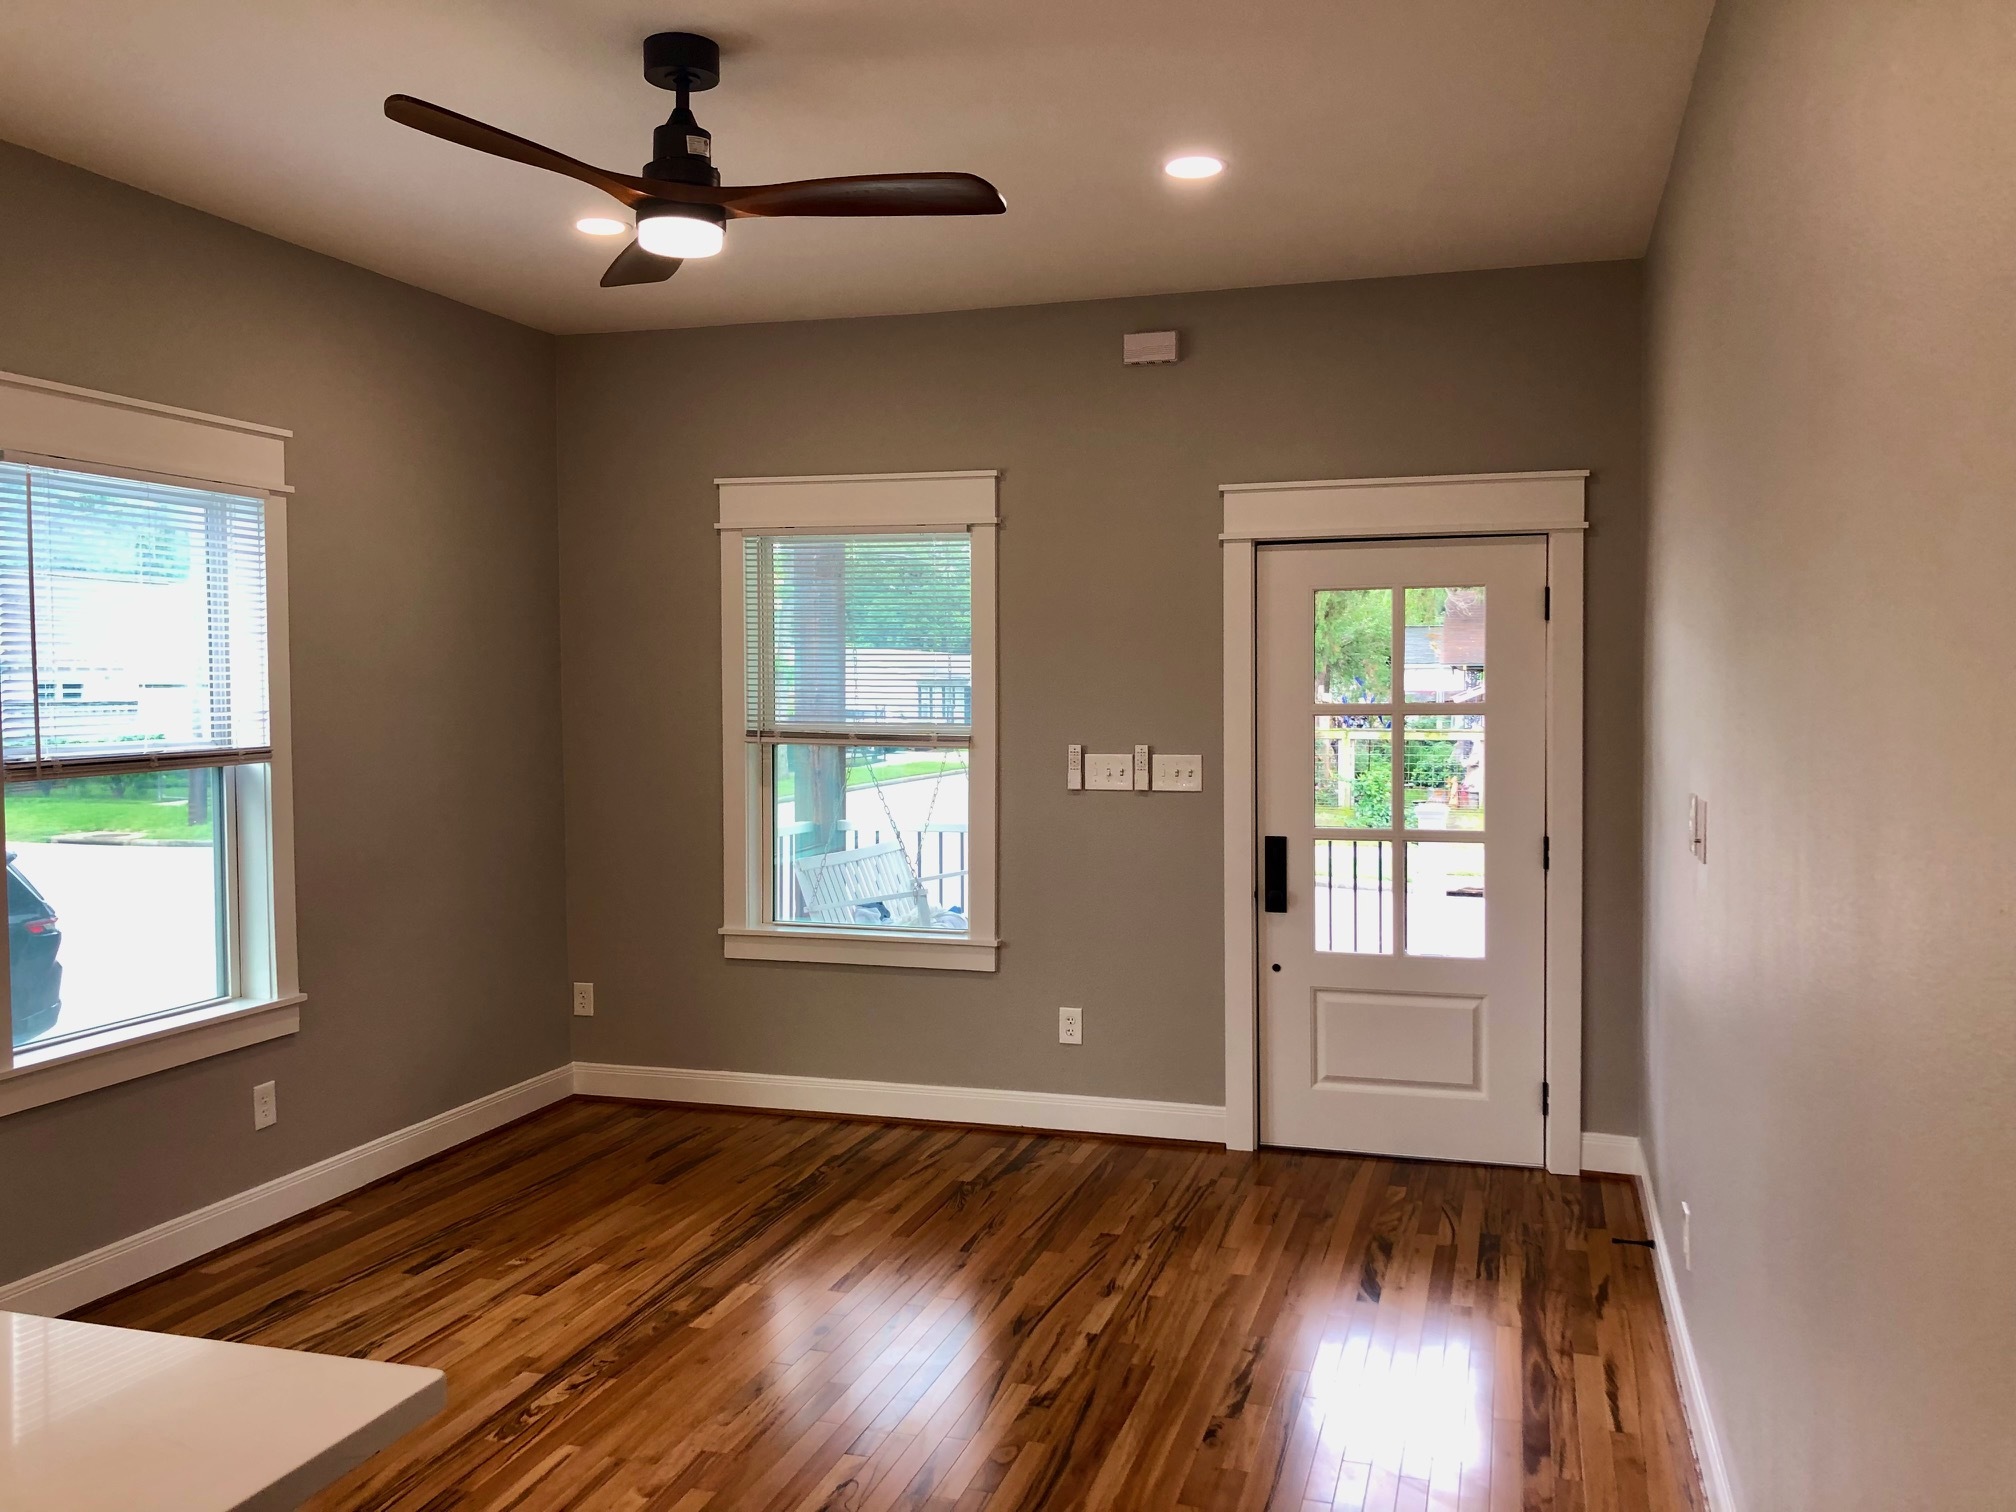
(137,724)
(859,729)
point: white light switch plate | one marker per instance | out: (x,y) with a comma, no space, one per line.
(1179,774)
(1109,774)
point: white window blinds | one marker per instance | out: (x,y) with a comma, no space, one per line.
(849,638)
(132,624)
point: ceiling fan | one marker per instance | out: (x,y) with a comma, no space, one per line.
(681,205)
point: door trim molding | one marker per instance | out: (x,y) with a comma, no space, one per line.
(1552,504)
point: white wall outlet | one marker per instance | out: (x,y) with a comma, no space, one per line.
(584,1000)
(1686,1236)
(1697,827)
(1070,1026)
(1074,767)
(1109,774)
(265,1107)
(1140,769)
(1179,774)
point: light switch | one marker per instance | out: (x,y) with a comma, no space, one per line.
(1140,769)
(1074,767)
(1697,827)
(1179,774)
(1109,774)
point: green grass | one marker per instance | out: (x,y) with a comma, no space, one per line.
(36,816)
(888,771)
(1346,818)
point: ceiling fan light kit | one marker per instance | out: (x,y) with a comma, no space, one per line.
(680,230)
(682,207)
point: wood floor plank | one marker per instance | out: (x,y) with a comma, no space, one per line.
(661,1309)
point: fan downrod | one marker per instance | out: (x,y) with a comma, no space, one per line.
(682,61)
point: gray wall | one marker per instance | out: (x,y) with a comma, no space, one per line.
(1109,635)
(425,686)
(1833,461)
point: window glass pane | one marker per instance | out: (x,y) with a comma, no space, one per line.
(1354,771)
(1444,758)
(115,899)
(860,632)
(869,837)
(1354,896)
(148,609)
(1354,645)
(1445,899)
(1445,645)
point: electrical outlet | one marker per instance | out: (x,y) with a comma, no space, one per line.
(1140,769)
(1686,1236)
(265,1108)
(584,1000)
(1179,774)
(1070,1026)
(1109,774)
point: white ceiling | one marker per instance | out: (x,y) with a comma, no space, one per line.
(1363,137)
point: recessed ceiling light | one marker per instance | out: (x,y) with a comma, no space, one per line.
(600,225)
(1197,167)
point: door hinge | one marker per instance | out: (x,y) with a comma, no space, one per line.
(1546,853)
(1546,1098)
(1547,603)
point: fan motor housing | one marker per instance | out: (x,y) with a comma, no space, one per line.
(682,60)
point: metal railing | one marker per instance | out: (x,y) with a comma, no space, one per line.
(1354,896)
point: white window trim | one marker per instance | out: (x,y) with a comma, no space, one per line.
(1538,503)
(854,503)
(53,424)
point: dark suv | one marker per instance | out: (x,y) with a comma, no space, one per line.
(32,942)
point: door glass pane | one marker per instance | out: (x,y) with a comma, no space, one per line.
(1354,645)
(115,899)
(869,837)
(1354,896)
(1354,771)
(1445,899)
(1445,645)
(1444,758)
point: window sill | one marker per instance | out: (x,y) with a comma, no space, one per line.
(122,1054)
(928,951)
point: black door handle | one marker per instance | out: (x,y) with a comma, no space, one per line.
(1274,873)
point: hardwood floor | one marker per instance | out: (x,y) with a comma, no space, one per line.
(677,1309)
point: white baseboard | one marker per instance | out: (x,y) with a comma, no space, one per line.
(1624,1155)
(1203,1122)
(180,1240)
(1613,1155)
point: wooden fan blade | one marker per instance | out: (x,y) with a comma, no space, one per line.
(467,132)
(634,265)
(869,194)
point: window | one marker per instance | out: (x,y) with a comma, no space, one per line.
(859,737)
(135,726)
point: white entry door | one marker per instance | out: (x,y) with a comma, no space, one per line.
(1402,765)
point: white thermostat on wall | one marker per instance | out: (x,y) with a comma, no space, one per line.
(1137,347)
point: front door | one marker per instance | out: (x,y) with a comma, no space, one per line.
(1402,763)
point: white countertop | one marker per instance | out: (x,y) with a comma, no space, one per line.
(96,1419)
